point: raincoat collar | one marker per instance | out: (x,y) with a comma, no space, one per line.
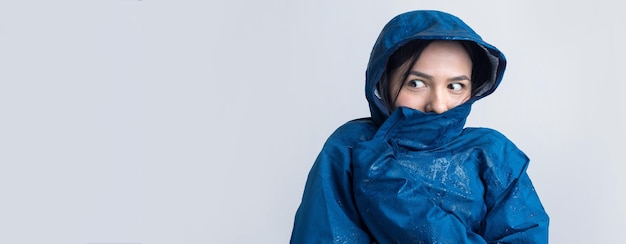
(416,130)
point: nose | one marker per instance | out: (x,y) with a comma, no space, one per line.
(437,103)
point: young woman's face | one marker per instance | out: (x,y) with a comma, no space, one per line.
(438,81)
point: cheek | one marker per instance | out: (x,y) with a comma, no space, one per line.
(466,96)
(458,100)
(410,100)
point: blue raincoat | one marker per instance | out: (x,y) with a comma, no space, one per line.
(415,177)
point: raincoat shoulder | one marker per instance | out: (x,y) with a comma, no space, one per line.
(328,213)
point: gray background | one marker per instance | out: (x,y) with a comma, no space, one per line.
(153,121)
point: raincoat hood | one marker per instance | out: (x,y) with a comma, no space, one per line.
(427,25)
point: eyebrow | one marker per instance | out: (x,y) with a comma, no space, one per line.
(430,77)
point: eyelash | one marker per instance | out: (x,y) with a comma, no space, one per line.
(412,84)
(451,86)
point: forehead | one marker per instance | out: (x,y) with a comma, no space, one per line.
(451,52)
(438,58)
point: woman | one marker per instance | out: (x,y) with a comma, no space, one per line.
(411,173)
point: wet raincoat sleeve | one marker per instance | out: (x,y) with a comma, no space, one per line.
(515,214)
(327,213)
(518,217)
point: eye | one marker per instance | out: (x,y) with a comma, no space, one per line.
(415,83)
(456,86)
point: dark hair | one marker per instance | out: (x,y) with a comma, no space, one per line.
(410,52)
(481,66)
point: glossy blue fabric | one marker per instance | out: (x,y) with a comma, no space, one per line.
(414,177)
